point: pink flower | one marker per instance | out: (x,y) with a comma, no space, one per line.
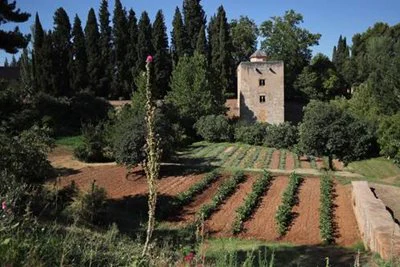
(3,205)
(189,257)
(149,59)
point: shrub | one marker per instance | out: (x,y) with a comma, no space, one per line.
(281,136)
(252,134)
(326,210)
(214,128)
(284,214)
(89,207)
(389,136)
(251,201)
(94,147)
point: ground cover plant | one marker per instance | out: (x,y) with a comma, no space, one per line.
(326,209)
(251,201)
(282,160)
(268,159)
(254,157)
(224,191)
(284,216)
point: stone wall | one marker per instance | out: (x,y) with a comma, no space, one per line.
(378,230)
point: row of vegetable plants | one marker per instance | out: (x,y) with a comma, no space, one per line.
(254,158)
(236,162)
(249,155)
(313,163)
(227,156)
(296,159)
(282,159)
(284,214)
(216,151)
(251,202)
(326,224)
(224,191)
(268,157)
(188,196)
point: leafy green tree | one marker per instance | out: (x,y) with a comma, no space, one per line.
(389,137)
(190,90)
(214,128)
(144,45)
(11,41)
(244,33)
(194,20)
(62,53)
(294,50)
(105,45)
(179,38)
(320,80)
(79,75)
(92,49)
(121,37)
(162,60)
(328,131)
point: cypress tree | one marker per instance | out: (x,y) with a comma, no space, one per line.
(144,45)
(26,73)
(46,80)
(62,52)
(179,38)
(341,58)
(6,64)
(105,49)
(14,62)
(132,48)
(194,18)
(11,41)
(79,65)
(37,58)
(92,50)
(120,34)
(162,60)
(201,46)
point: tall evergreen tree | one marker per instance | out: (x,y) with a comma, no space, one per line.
(6,64)
(179,38)
(162,59)
(120,34)
(194,19)
(37,58)
(92,49)
(144,45)
(11,41)
(79,64)
(105,49)
(201,46)
(14,62)
(132,48)
(62,56)
(46,80)
(26,73)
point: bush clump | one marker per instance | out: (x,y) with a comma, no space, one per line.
(281,136)
(252,134)
(214,128)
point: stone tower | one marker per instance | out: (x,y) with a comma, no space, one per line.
(261,90)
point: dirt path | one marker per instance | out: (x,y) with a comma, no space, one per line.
(289,161)
(220,223)
(347,232)
(305,226)
(262,223)
(275,160)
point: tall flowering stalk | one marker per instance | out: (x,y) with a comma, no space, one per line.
(152,162)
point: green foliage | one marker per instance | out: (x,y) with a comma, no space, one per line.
(194,19)
(284,216)
(94,147)
(89,207)
(251,201)
(79,74)
(389,137)
(294,51)
(214,128)
(179,41)
(244,33)
(144,44)
(25,156)
(326,209)
(187,196)
(320,80)
(281,136)
(252,134)
(224,191)
(105,48)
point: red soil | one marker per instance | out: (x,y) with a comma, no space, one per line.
(275,160)
(262,223)
(221,221)
(320,163)
(118,185)
(289,161)
(305,226)
(347,230)
(304,163)
(338,165)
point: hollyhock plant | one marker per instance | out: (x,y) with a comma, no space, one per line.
(4,206)
(149,59)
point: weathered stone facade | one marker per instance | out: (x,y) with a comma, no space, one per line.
(261,90)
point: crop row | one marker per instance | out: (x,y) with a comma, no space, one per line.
(282,160)
(227,155)
(326,210)
(251,202)
(188,195)
(254,158)
(268,157)
(224,191)
(296,159)
(284,215)
(240,156)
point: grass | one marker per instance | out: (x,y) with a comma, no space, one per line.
(71,142)
(375,169)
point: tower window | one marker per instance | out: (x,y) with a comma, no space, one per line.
(261,82)
(262,98)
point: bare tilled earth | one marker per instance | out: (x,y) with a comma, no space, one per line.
(275,160)
(304,163)
(220,223)
(289,161)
